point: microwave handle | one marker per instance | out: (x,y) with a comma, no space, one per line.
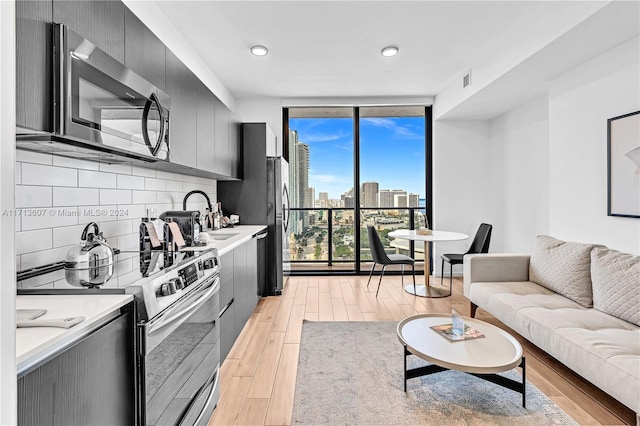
(153,99)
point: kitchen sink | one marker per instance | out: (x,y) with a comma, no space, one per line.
(220,236)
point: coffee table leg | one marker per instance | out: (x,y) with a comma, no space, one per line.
(524,382)
(404,371)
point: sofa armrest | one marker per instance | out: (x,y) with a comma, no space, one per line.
(495,268)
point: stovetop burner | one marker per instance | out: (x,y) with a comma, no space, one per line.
(130,266)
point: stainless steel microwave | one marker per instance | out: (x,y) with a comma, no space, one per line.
(102,110)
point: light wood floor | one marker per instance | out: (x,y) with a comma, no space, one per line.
(258,377)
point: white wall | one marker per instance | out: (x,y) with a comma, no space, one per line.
(8,402)
(261,110)
(520,176)
(580,102)
(462,176)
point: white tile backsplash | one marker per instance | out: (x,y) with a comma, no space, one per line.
(139,197)
(33,157)
(62,195)
(90,179)
(49,218)
(74,163)
(30,241)
(124,169)
(130,182)
(141,171)
(32,196)
(66,235)
(153,184)
(38,174)
(75,196)
(115,196)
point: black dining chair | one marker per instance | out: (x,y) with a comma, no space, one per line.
(384,259)
(480,244)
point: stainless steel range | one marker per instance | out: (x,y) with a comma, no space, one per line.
(177,299)
(180,342)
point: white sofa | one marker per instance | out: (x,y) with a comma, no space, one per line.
(578,302)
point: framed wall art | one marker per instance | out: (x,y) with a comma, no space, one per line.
(623,168)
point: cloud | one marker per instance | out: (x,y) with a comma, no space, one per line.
(389,124)
(330,179)
(323,137)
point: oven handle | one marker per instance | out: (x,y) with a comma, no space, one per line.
(171,317)
(215,378)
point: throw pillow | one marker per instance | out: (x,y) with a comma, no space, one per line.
(564,267)
(616,284)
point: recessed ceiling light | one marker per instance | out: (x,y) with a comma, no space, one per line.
(389,51)
(259,50)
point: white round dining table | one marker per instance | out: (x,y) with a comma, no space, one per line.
(426,289)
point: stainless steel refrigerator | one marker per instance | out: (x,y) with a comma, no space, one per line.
(262,198)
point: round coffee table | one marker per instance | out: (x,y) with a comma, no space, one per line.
(498,351)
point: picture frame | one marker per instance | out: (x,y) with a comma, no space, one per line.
(623,165)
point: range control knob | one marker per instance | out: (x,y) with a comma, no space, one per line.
(208,264)
(168,288)
(178,283)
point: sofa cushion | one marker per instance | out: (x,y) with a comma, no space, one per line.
(563,267)
(616,283)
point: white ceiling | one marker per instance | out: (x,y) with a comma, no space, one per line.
(330,49)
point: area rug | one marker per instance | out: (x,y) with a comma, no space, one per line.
(350,373)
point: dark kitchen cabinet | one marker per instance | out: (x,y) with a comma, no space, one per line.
(181,86)
(34,52)
(240,316)
(227,332)
(100,22)
(235,147)
(90,383)
(144,53)
(238,282)
(222,164)
(205,122)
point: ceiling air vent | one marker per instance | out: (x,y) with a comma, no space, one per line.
(466,79)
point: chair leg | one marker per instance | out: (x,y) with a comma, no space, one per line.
(402,277)
(371,273)
(451,276)
(380,280)
(442,272)
(413,271)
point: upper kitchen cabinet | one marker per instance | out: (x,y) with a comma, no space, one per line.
(181,86)
(227,146)
(235,146)
(144,53)
(100,22)
(205,121)
(34,47)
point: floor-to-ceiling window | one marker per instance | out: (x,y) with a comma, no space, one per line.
(350,167)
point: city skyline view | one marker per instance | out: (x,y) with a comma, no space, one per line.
(391,154)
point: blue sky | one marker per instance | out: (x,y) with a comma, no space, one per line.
(391,152)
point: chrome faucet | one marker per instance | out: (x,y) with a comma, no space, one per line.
(197,191)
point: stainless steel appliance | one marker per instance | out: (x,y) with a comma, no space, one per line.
(262,198)
(177,300)
(103,111)
(89,263)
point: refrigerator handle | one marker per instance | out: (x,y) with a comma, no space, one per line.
(285,208)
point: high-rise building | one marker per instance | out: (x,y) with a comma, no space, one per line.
(369,194)
(400,200)
(310,197)
(387,197)
(302,172)
(323,199)
(414,199)
(293,180)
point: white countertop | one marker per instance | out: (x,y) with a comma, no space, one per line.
(35,344)
(242,234)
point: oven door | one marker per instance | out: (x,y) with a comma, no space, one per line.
(182,359)
(100,101)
